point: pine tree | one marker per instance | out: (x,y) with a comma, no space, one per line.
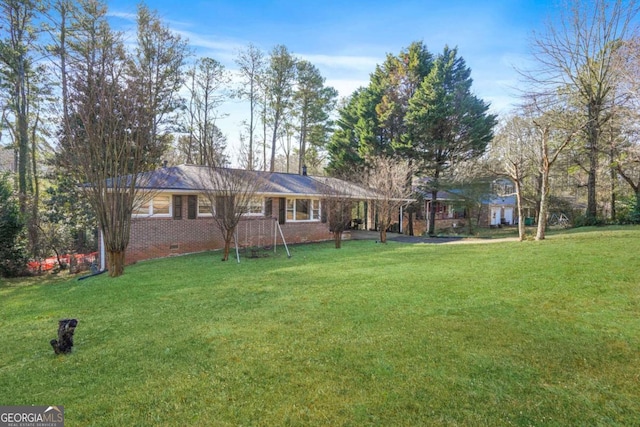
(445,122)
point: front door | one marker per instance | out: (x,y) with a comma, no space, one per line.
(508,216)
(495,215)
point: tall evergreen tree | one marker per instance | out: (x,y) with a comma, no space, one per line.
(17,68)
(445,122)
(344,144)
(373,121)
(313,103)
(13,258)
(398,79)
(156,68)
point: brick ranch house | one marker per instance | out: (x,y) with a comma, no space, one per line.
(175,217)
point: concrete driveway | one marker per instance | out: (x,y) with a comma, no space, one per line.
(395,237)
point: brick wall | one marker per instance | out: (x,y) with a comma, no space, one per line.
(161,237)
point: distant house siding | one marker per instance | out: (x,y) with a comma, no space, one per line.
(7,160)
(161,237)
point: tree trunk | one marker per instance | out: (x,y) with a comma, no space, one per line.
(228,237)
(592,139)
(264,134)
(613,176)
(34,221)
(383,233)
(274,139)
(115,263)
(303,147)
(468,214)
(542,215)
(252,103)
(410,224)
(432,213)
(591,189)
(521,225)
(538,189)
(23,147)
(227,249)
(337,238)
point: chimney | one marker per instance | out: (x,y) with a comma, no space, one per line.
(304,170)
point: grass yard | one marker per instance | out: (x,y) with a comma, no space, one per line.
(532,333)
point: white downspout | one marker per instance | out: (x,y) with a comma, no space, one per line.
(103,260)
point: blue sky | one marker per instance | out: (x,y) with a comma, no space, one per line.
(346,39)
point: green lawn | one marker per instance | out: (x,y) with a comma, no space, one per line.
(532,333)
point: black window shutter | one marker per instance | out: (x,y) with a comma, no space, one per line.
(192,207)
(282,210)
(323,212)
(268,207)
(177,207)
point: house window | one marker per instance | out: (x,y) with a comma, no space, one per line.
(255,206)
(204,206)
(315,209)
(161,205)
(503,187)
(158,206)
(142,207)
(303,210)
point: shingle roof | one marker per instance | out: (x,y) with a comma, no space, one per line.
(194,178)
(455,195)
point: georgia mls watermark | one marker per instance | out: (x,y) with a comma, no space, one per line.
(31,416)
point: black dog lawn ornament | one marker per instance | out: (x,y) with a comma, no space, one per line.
(66,328)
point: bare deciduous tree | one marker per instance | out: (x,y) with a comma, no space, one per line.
(577,54)
(625,149)
(555,130)
(278,85)
(338,199)
(230,193)
(98,146)
(109,137)
(251,67)
(389,180)
(512,155)
(207,80)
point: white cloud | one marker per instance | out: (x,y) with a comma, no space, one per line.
(210,41)
(346,87)
(124,15)
(358,63)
